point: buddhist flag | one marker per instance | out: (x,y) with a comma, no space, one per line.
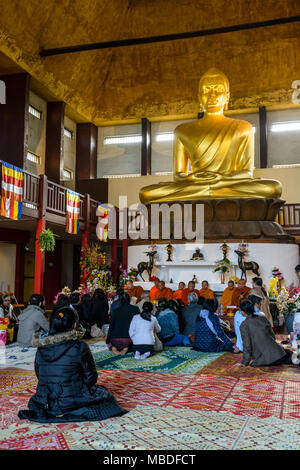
(11,191)
(73,211)
(102,227)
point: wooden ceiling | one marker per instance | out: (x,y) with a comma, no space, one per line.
(158,81)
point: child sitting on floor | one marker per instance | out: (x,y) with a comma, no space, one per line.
(67,377)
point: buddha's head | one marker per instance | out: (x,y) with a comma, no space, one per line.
(213,91)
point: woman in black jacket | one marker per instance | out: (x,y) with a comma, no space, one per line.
(118,339)
(99,309)
(67,377)
(259,344)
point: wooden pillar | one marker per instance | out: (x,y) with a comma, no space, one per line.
(14,119)
(55,141)
(146,147)
(114,259)
(125,253)
(263,137)
(86,151)
(19,273)
(39,270)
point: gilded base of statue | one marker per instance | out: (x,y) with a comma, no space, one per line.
(234,219)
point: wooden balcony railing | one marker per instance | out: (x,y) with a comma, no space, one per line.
(289,218)
(44,198)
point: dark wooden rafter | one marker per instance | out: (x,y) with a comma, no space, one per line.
(146,147)
(167,37)
(263,134)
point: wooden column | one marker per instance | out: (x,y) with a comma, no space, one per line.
(19,273)
(86,232)
(86,151)
(114,259)
(263,137)
(125,253)
(146,147)
(39,270)
(14,119)
(55,141)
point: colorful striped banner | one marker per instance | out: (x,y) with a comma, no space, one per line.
(11,191)
(102,226)
(73,211)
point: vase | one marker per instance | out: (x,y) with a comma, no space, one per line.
(222,278)
(289,320)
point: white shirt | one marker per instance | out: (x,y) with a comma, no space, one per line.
(142,331)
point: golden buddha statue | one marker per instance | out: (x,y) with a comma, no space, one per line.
(220,151)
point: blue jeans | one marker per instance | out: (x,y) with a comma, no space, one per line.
(178,340)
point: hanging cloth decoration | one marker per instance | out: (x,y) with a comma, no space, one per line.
(73,211)
(11,191)
(102,226)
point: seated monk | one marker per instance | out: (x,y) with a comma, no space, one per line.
(134,291)
(190,288)
(226,299)
(154,290)
(164,291)
(240,293)
(177,295)
(206,292)
(220,151)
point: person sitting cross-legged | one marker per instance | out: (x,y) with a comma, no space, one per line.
(168,321)
(209,335)
(118,339)
(190,315)
(67,389)
(32,320)
(141,331)
(259,344)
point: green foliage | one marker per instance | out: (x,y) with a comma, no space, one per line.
(47,240)
(223,265)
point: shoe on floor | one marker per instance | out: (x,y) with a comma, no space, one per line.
(137,355)
(145,355)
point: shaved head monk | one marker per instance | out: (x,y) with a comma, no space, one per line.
(240,293)
(134,291)
(190,288)
(206,292)
(226,299)
(178,293)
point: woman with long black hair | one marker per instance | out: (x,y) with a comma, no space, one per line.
(99,308)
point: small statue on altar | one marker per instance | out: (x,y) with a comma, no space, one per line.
(169,249)
(197,256)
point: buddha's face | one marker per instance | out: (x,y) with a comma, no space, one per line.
(213,93)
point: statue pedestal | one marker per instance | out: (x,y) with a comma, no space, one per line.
(234,219)
(230,220)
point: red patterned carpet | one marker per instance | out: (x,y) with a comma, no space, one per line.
(258,397)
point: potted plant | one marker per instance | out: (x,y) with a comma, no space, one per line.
(288,303)
(223,266)
(47,240)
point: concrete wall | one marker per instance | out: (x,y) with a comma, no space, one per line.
(8,266)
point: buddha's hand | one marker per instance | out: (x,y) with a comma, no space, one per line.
(199,177)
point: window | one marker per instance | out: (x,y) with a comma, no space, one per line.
(119,151)
(67,174)
(122,139)
(285,126)
(68,133)
(35,112)
(32,157)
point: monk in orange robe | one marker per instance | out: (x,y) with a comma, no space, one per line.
(206,292)
(154,290)
(190,288)
(178,293)
(240,293)
(134,291)
(226,299)
(163,291)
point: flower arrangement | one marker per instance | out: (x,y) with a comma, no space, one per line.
(277,274)
(65,291)
(235,279)
(273,287)
(223,265)
(127,275)
(96,273)
(47,240)
(288,300)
